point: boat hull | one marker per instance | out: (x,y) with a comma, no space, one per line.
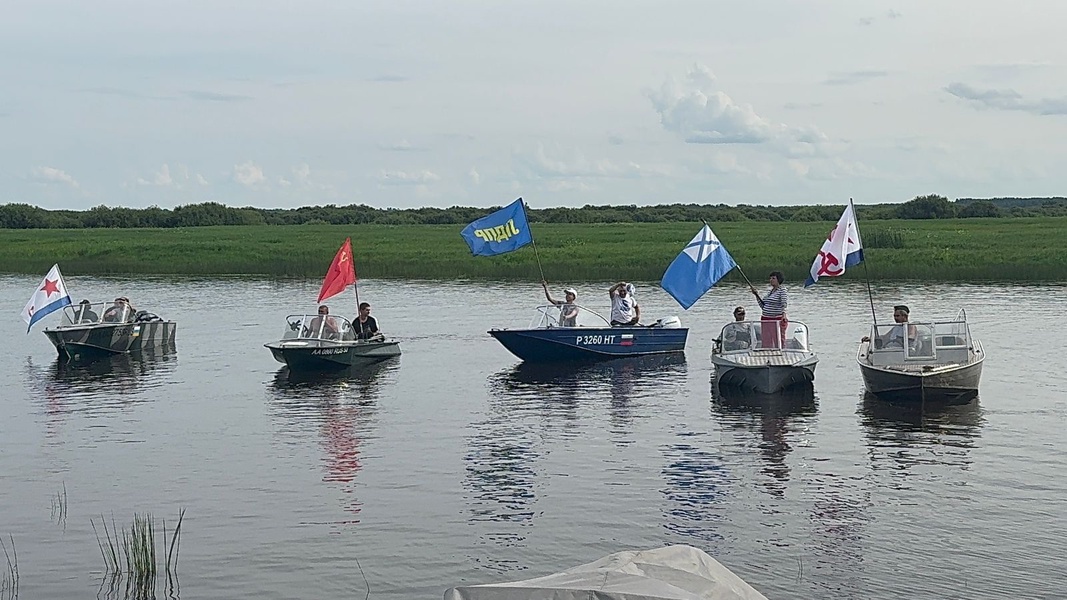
(768,374)
(328,355)
(945,383)
(590,343)
(88,342)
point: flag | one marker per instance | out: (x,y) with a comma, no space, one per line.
(49,297)
(341,274)
(843,248)
(503,231)
(702,263)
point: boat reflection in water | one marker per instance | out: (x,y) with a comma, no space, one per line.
(778,420)
(339,406)
(930,433)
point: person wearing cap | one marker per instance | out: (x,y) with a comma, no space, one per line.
(895,336)
(624,309)
(85,313)
(568,310)
(119,312)
(738,335)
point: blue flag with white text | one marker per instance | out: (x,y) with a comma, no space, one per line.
(503,231)
(702,263)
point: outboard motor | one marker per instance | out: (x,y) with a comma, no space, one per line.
(668,323)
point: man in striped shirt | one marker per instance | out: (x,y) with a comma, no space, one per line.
(773,320)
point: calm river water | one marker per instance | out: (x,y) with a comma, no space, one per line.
(452,465)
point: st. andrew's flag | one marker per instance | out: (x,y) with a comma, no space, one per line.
(503,231)
(702,263)
(49,297)
(843,248)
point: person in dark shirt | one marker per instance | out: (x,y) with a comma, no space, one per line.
(85,314)
(366,326)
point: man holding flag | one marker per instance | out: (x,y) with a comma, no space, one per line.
(843,248)
(49,297)
(702,263)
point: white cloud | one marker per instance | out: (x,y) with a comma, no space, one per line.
(248,174)
(407,177)
(701,113)
(200,179)
(161,178)
(1007,99)
(302,172)
(284,182)
(475,177)
(53,175)
(401,146)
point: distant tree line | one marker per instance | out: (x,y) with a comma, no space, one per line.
(25,216)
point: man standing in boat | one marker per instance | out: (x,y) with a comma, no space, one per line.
(568,310)
(624,309)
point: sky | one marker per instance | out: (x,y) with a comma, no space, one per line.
(565,103)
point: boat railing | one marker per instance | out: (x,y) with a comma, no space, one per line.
(318,327)
(567,315)
(95,313)
(743,336)
(937,341)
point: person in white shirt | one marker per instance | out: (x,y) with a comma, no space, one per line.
(624,309)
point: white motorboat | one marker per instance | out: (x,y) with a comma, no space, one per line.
(745,358)
(938,361)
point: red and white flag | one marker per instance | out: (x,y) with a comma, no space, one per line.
(342,272)
(49,297)
(843,248)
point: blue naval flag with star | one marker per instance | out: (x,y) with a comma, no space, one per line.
(702,263)
(502,231)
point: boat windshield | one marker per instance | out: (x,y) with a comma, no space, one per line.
(567,315)
(318,327)
(922,341)
(95,313)
(741,336)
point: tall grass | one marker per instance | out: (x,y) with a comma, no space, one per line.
(9,582)
(59,506)
(131,553)
(1017,249)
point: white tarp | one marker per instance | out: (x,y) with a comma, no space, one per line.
(668,573)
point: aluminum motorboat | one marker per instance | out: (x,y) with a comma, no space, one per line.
(93,330)
(327,342)
(747,359)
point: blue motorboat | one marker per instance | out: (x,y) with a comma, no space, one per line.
(589,337)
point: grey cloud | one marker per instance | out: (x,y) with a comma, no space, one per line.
(1007,99)
(210,96)
(1010,69)
(894,14)
(402,146)
(801,105)
(866,21)
(854,77)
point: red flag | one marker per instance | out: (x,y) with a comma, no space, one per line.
(342,272)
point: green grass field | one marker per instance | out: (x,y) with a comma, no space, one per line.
(1017,249)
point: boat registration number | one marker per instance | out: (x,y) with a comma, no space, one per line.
(586,340)
(322,351)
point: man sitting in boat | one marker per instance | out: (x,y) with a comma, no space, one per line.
(85,314)
(568,310)
(366,326)
(738,335)
(895,337)
(119,312)
(624,309)
(323,326)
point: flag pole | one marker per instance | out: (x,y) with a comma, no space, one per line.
(532,241)
(866,272)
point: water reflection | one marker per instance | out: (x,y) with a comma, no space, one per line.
(696,484)
(903,435)
(777,420)
(341,407)
(63,388)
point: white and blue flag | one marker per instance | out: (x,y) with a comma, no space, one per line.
(702,263)
(49,297)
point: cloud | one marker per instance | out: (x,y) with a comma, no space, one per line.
(210,96)
(389,78)
(616,140)
(401,146)
(248,174)
(701,113)
(1007,70)
(178,178)
(893,14)
(50,175)
(866,21)
(1007,99)
(854,77)
(801,105)
(475,177)
(200,179)
(160,178)
(407,177)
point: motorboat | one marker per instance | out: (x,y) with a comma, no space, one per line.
(676,572)
(937,360)
(588,336)
(328,342)
(94,330)
(744,359)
